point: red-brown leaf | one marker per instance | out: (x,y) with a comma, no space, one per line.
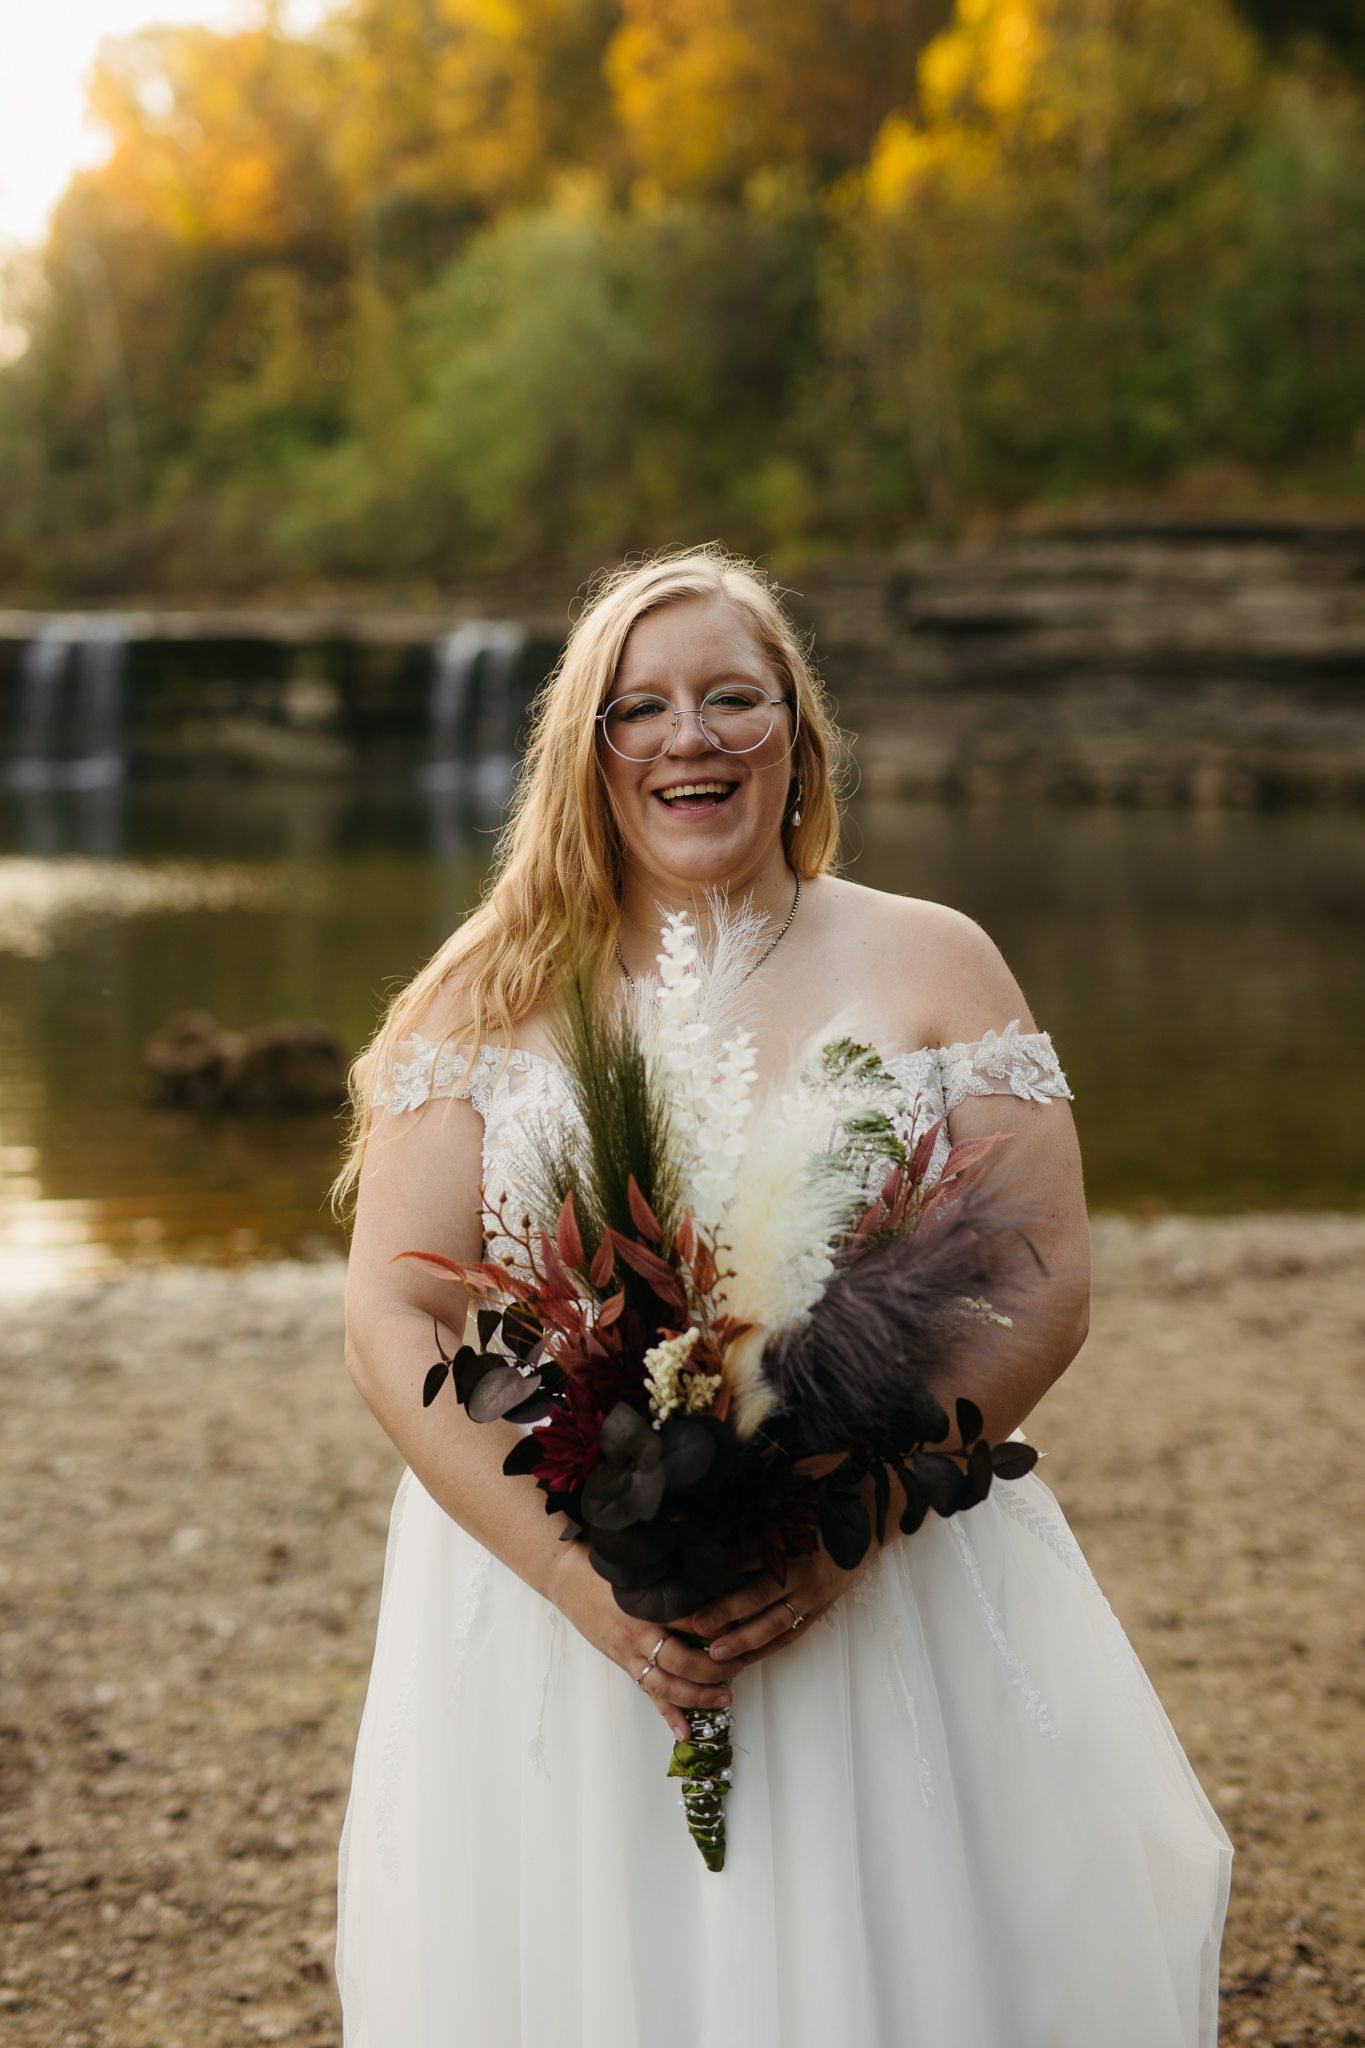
(703,1269)
(968,1151)
(560,1283)
(650,1267)
(611,1309)
(641,1215)
(686,1239)
(450,1270)
(821,1465)
(604,1263)
(567,1238)
(923,1152)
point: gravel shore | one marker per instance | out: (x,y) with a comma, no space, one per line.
(196,1505)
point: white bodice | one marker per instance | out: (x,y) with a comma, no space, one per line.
(519,1093)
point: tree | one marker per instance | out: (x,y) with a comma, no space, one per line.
(710,91)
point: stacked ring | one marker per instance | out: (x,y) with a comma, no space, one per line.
(798,1620)
(653,1663)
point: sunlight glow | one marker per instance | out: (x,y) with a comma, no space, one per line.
(45,57)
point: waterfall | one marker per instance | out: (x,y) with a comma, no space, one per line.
(71,706)
(475,710)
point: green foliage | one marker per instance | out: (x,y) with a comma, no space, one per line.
(404,298)
(578,373)
(625,1126)
(1085,292)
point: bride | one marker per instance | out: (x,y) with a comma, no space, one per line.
(960,1815)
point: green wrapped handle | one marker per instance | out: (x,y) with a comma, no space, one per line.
(704,1765)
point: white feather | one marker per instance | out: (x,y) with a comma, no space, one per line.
(774,1182)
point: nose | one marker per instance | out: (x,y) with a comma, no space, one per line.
(689,739)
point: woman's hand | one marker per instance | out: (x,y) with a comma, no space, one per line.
(762,1617)
(681,1677)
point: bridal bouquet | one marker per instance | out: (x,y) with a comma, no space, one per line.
(718,1317)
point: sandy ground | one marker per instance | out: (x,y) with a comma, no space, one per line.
(195,1508)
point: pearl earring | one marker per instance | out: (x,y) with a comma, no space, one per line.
(796,814)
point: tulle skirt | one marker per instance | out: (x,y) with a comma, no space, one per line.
(960,1816)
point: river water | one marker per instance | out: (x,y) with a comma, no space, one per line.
(1202,974)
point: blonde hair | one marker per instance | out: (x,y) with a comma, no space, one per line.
(558,865)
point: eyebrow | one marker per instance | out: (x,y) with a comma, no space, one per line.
(729,675)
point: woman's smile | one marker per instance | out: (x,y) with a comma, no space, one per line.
(690,799)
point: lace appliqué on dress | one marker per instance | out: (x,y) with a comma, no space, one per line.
(1009,1062)
(434,1073)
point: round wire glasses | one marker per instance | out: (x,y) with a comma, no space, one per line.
(734,720)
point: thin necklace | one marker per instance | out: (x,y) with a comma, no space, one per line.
(764,957)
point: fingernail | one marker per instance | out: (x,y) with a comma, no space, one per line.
(722,1652)
(722,1699)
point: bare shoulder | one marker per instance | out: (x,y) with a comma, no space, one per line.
(924,960)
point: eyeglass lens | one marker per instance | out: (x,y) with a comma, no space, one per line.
(734,720)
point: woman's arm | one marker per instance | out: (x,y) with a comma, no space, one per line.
(419,1191)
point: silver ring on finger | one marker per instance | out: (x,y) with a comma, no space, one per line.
(653,1663)
(798,1620)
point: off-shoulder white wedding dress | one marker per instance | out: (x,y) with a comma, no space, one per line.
(960,1817)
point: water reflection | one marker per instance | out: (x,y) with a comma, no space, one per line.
(1202,976)
(53,820)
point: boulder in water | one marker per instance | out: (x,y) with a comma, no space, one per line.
(193,1063)
(291,1066)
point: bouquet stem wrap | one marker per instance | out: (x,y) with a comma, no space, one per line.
(704,1766)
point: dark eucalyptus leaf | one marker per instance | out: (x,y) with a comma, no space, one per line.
(707,1573)
(846,1528)
(725,1450)
(627,1436)
(523,1457)
(536,1408)
(1013,1461)
(434,1381)
(488,1320)
(968,1420)
(916,1505)
(643,1543)
(628,1578)
(613,1499)
(945,1487)
(670,1600)
(470,1366)
(980,1471)
(710,1567)
(689,1452)
(498,1391)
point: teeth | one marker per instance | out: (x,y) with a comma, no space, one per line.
(695,789)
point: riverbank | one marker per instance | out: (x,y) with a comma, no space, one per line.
(198,1504)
